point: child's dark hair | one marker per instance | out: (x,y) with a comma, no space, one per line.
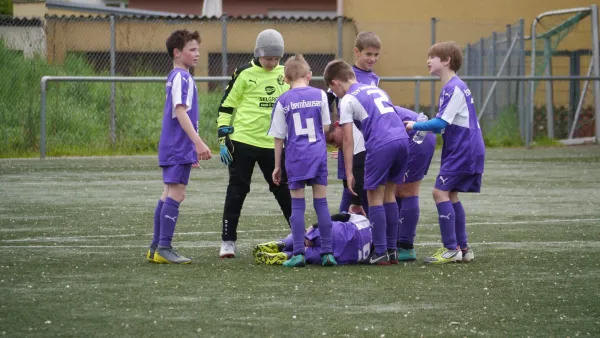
(338,70)
(179,38)
(448,50)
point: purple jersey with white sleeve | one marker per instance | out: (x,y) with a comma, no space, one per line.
(298,117)
(365,77)
(351,240)
(463,151)
(369,108)
(175,146)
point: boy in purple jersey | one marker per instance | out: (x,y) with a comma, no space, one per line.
(367,46)
(386,143)
(463,152)
(351,243)
(179,147)
(407,193)
(299,118)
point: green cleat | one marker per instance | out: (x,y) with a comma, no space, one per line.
(443,256)
(150,253)
(297,261)
(407,255)
(328,260)
(270,258)
(168,255)
(269,247)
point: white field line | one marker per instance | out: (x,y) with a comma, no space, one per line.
(217,244)
(79,238)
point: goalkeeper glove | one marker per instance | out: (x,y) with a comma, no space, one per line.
(225,144)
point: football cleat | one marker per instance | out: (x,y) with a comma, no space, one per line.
(375,259)
(407,255)
(270,258)
(443,256)
(328,260)
(150,253)
(227,249)
(393,256)
(270,247)
(297,261)
(168,255)
(467,255)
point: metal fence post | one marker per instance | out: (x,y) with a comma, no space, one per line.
(418,96)
(493,72)
(508,65)
(113,62)
(432,100)
(480,71)
(549,89)
(43,119)
(340,36)
(596,66)
(224,61)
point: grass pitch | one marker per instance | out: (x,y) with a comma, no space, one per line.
(73,233)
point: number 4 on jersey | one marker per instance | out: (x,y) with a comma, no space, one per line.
(309,130)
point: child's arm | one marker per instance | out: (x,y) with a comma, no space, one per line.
(186,124)
(231,99)
(435,125)
(325,118)
(277,170)
(348,150)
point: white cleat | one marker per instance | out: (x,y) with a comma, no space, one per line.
(228,249)
(468,255)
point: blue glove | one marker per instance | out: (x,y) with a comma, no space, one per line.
(225,144)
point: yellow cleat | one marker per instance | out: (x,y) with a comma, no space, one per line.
(269,258)
(443,256)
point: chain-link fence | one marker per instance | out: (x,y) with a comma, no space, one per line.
(108,114)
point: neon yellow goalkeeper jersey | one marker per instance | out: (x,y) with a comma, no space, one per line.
(252,93)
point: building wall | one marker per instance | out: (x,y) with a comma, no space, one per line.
(234,7)
(29,9)
(404,28)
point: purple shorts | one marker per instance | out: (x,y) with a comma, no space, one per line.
(386,164)
(419,159)
(177,173)
(322,180)
(459,182)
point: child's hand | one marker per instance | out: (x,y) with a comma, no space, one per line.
(276,176)
(203,151)
(409,124)
(350,180)
(357,209)
(334,154)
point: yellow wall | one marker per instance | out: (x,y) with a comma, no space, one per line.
(29,9)
(404,28)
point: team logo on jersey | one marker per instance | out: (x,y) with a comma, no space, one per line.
(269,90)
(280,80)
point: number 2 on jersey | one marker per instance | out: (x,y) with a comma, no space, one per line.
(309,130)
(381,97)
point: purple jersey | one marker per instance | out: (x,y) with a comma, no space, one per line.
(365,77)
(351,240)
(298,117)
(175,146)
(463,151)
(369,107)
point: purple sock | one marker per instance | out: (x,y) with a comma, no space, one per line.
(391,217)
(297,224)
(409,217)
(157,211)
(346,200)
(168,219)
(461,225)
(447,226)
(288,242)
(324,220)
(379,228)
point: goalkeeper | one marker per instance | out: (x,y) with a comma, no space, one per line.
(243,140)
